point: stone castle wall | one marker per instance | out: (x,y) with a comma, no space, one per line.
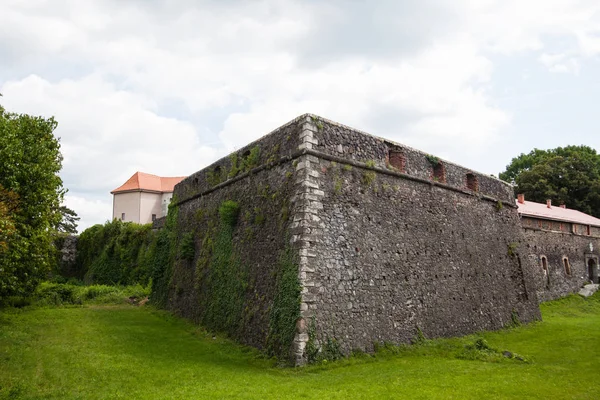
(392,252)
(387,240)
(263,189)
(554,279)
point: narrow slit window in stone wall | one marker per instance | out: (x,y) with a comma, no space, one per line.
(567,266)
(397,160)
(589,230)
(545,264)
(439,172)
(472,182)
(546,271)
(122,216)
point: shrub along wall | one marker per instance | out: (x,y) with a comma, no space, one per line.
(116,253)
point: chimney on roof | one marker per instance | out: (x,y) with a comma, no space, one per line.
(563,206)
(549,203)
(521,198)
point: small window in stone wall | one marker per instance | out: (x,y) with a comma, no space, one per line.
(589,230)
(397,159)
(546,271)
(472,182)
(439,172)
(122,216)
(567,266)
(544,264)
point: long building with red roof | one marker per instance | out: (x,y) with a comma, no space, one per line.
(143,197)
(564,243)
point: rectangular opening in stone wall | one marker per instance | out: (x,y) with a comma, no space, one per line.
(397,159)
(439,172)
(472,182)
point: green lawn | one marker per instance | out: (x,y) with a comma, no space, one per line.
(111,352)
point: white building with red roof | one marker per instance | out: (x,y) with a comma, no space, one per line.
(144,197)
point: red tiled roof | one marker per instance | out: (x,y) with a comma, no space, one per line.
(141,181)
(557,213)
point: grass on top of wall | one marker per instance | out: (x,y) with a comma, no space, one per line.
(101,352)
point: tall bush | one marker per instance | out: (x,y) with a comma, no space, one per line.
(115,253)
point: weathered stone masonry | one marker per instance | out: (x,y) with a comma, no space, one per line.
(562,255)
(389,240)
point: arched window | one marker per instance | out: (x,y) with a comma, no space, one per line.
(545,264)
(546,272)
(567,266)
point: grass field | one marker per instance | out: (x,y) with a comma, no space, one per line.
(113,352)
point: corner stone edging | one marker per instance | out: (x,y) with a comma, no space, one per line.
(304,227)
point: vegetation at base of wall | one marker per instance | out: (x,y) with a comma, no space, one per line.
(163,253)
(285,310)
(329,350)
(53,294)
(115,253)
(77,344)
(224,279)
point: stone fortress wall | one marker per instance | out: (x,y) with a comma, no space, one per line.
(562,255)
(388,242)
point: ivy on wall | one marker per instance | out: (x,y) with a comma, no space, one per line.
(163,257)
(223,279)
(285,310)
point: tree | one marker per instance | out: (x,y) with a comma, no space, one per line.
(31,194)
(566,175)
(68,222)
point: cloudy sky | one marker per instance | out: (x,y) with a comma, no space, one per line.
(167,87)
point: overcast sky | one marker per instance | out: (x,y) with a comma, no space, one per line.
(167,87)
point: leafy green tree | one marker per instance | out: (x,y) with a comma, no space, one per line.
(566,175)
(30,161)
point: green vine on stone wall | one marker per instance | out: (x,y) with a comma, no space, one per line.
(285,310)
(187,249)
(164,257)
(226,279)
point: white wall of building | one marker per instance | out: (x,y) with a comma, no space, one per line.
(127,204)
(150,204)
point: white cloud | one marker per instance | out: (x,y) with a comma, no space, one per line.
(420,73)
(90,211)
